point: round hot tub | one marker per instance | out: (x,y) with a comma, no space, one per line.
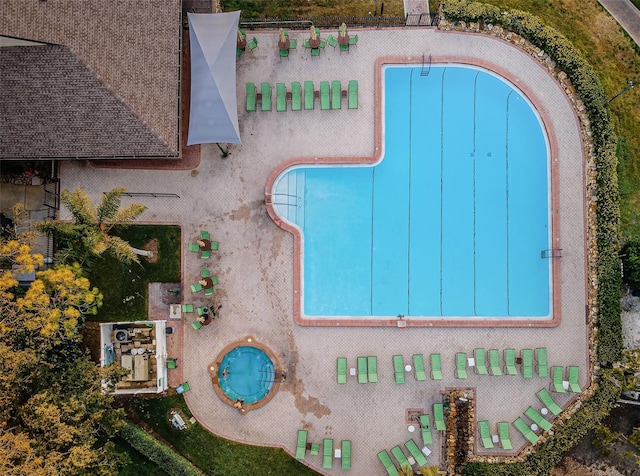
(246,373)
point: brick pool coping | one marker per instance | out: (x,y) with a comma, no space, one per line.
(409,322)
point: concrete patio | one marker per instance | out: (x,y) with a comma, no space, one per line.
(255,259)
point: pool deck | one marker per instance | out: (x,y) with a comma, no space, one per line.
(255,261)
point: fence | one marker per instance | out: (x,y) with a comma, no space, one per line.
(371,21)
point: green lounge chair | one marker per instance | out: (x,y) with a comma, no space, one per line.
(187,308)
(541,362)
(204,272)
(172,363)
(525,430)
(479,355)
(385,459)
(345,462)
(416,453)
(510,362)
(425,427)
(503,431)
(296,96)
(327,453)
(239,51)
(494,362)
(308,95)
(208,291)
(362,370)
(527,363)
(573,379)
(205,235)
(325,102)
(418,367)
(202,310)
(281,97)
(372,369)
(485,434)
(196,288)
(353,94)
(306,44)
(461,365)
(353,40)
(538,419)
(397,453)
(315,52)
(336,95)
(252,44)
(331,41)
(557,384)
(193,247)
(293,44)
(183,387)
(438,417)
(284,53)
(344,47)
(196,325)
(301,446)
(265,91)
(548,402)
(436,367)
(342,370)
(251,96)
(205,254)
(398,368)
(315,449)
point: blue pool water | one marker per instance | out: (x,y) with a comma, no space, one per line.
(250,374)
(451,221)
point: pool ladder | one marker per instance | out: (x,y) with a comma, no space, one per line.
(426,72)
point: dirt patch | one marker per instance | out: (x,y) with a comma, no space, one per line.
(151,245)
(574,468)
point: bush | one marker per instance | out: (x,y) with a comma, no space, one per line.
(158,452)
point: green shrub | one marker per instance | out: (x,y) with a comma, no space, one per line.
(159,453)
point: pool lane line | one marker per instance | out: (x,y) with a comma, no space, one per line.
(475,116)
(507,199)
(409,192)
(441,178)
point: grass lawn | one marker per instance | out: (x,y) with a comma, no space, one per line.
(617,60)
(125,287)
(213,454)
(305,8)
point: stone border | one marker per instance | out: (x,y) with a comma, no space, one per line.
(401,322)
(249,341)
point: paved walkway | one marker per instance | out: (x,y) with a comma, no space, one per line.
(626,14)
(255,260)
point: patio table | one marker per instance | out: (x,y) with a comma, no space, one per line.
(206,246)
(284,45)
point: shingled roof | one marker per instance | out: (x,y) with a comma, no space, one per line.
(53,106)
(131,47)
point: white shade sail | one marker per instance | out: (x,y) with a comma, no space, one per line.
(214,114)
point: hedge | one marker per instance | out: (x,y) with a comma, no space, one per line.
(159,453)
(609,326)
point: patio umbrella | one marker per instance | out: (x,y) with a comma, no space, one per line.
(343,30)
(313,32)
(282,37)
(240,37)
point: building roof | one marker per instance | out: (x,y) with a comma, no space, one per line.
(55,107)
(131,46)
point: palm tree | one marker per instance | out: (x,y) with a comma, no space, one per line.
(89,233)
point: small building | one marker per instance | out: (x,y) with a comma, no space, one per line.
(140,347)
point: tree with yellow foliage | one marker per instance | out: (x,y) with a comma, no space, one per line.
(55,417)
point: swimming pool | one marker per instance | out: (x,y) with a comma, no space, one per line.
(451,222)
(248,374)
